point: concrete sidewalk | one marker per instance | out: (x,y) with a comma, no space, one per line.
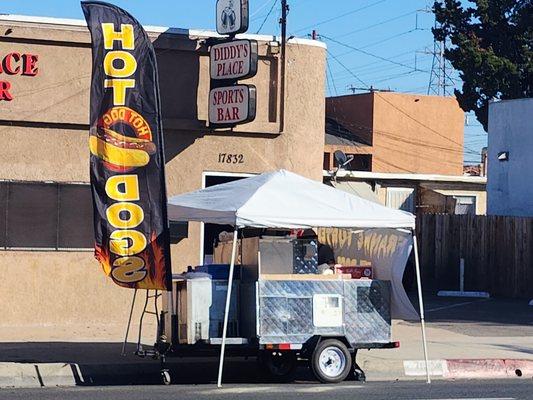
(476,334)
(466,339)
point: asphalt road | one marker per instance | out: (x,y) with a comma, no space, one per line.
(512,389)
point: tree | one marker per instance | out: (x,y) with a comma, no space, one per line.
(490,47)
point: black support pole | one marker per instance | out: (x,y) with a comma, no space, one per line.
(283,22)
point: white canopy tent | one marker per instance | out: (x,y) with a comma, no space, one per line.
(282,199)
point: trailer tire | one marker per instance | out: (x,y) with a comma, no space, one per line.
(331,361)
(280,366)
(165,376)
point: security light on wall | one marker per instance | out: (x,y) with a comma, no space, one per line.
(274,47)
(503,156)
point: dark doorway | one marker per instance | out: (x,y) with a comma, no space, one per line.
(211,231)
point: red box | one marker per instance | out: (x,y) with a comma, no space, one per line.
(356,271)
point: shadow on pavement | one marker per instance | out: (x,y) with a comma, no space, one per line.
(102,364)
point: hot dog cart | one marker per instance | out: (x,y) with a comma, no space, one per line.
(270,300)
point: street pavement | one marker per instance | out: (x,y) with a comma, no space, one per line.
(441,390)
(457,329)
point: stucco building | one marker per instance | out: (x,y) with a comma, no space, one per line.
(510,158)
(46,254)
(397,132)
(407,152)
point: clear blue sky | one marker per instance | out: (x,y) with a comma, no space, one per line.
(383,43)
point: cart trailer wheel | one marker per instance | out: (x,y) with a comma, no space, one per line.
(331,361)
(279,365)
(165,376)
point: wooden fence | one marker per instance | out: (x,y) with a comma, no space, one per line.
(498,253)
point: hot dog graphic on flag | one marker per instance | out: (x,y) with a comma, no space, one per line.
(126,145)
(118,151)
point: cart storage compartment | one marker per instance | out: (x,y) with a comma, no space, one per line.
(200,304)
(292,311)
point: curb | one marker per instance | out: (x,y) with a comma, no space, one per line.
(35,375)
(471,368)
(38,375)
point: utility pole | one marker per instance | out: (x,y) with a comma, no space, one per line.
(283,23)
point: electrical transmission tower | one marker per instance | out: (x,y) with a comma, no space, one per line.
(440,81)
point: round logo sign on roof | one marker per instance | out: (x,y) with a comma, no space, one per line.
(232,16)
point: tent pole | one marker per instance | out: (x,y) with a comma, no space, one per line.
(421,305)
(226,312)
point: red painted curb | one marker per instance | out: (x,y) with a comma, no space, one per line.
(489,368)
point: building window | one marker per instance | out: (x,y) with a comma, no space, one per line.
(401,198)
(360,162)
(465,205)
(53,216)
(326,163)
(50,216)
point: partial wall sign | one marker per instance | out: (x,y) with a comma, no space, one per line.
(230,105)
(236,59)
(16,63)
(232,16)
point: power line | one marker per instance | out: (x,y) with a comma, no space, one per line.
(425,126)
(376,24)
(331,77)
(370,74)
(363,66)
(328,85)
(268,15)
(347,69)
(369,54)
(396,137)
(371,70)
(381,41)
(392,37)
(340,16)
(259,9)
(394,76)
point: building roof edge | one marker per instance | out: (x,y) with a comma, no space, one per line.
(413,177)
(200,33)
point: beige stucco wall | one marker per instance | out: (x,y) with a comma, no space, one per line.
(43,132)
(417,134)
(408,133)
